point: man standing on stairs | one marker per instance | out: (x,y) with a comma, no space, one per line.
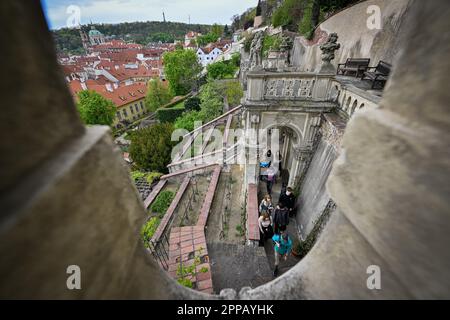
(288,199)
(280,218)
(282,248)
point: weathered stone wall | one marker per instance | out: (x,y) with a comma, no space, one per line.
(66,195)
(313,196)
(71,201)
(390,184)
(356,39)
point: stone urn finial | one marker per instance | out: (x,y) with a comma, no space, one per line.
(328,49)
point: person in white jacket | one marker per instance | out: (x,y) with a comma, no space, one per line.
(265,226)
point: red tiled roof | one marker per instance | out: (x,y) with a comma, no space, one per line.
(192,34)
(120,96)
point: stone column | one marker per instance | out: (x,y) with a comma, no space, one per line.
(299,165)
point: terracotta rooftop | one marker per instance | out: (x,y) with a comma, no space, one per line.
(121,95)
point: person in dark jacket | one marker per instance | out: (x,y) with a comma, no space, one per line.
(288,199)
(280,218)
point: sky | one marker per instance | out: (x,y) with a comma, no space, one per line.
(62,13)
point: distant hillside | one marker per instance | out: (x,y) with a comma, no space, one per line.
(69,41)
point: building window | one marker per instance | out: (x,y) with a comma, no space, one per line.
(142,106)
(136,107)
(131,109)
(125,113)
(118,115)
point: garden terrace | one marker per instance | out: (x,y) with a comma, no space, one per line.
(219,152)
(233,263)
(188,258)
(188,253)
(226,222)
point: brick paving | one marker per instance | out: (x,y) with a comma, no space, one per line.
(187,247)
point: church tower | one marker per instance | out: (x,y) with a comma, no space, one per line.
(84,39)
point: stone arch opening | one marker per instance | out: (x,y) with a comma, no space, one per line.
(341,103)
(354,106)
(288,138)
(347,105)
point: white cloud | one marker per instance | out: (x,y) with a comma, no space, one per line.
(115,11)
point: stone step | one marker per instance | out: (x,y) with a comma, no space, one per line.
(237,266)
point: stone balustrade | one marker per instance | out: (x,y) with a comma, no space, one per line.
(290,86)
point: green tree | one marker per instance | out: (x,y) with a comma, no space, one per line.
(207,38)
(226,32)
(220,70)
(94,109)
(289,14)
(211,101)
(192,103)
(217,30)
(151,147)
(258,9)
(157,95)
(187,120)
(236,59)
(233,92)
(307,25)
(179,46)
(182,69)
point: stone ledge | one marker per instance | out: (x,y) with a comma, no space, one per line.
(204,212)
(252,213)
(167,217)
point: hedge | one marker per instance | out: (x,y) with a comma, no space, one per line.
(169,114)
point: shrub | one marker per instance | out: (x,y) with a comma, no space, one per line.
(306,26)
(188,119)
(157,95)
(192,103)
(151,147)
(152,177)
(211,99)
(137,175)
(236,59)
(149,229)
(289,14)
(169,114)
(162,202)
(233,92)
(248,42)
(270,43)
(220,70)
(185,282)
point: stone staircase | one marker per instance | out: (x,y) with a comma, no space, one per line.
(237,266)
